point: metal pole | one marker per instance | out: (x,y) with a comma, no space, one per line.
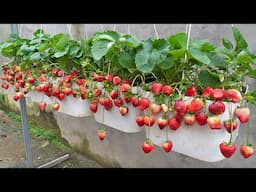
(26,137)
(24,121)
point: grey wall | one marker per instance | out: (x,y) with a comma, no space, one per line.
(122,149)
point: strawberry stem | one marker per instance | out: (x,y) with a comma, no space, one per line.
(248,129)
(231,124)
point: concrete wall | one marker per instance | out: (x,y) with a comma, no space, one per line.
(122,149)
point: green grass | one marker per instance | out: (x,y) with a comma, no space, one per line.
(41,133)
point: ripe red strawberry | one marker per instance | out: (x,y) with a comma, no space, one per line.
(116,80)
(4,78)
(127,99)
(135,101)
(74,93)
(31,80)
(167,146)
(67,91)
(196,105)
(227,125)
(167,90)
(109,78)
(149,121)
(140,120)
(227,150)
(246,150)
(144,103)
(180,106)
(162,122)
(234,95)
(218,94)
(42,78)
(60,73)
(191,91)
(94,107)
(207,92)
(67,79)
(216,108)
(108,104)
(156,88)
(125,87)
(56,106)
(101,134)
(61,96)
(16,97)
(178,115)
(97,92)
(83,94)
(42,106)
(123,110)
(189,119)
(55,71)
(98,77)
(243,114)
(118,102)
(147,146)
(113,94)
(5,86)
(214,122)
(173,123)
(80,82)
(74,73)
(155,108)
(201,118)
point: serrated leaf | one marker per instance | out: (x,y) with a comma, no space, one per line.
(133,42)
(108,35)
(155,56)
(226,43)
(199,56)
(179,40)
(227,52)
(99,49)
(240,41)
(142,61)
(217,61)
(126,60)
(62,42)
(59,54)
(74,50)
(167,63)
(35,57)
(244,57)
(178,53)
(208,79)
(161,45)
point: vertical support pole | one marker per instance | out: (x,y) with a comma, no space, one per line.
(24,121)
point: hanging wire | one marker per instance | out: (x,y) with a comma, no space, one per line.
(41,28)
(20,29)
(114,27)
(69,29)
(45,29)
(102,28)
(86,34)
(128,28)
(188,31)
(156,33)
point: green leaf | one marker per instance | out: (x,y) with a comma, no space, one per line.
(226,43)
(208,79)
(251,97)
(62,42)
(244,57)
(227,52)
(99,49)
(35,57)
(133,42)
(203,45)
(179,40)
(25,49)
(217,61)
(240,41)
(252,74)
(74,50)
(167,63)
(142,61)
(59,54)
(199,56)
(38,32)
(161,45)
(126,60)
(178,53)
(108,35)
(208,47)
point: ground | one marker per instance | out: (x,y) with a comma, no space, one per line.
(12,153)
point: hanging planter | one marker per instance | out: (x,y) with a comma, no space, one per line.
(39,97)
(197,141)
(75,107)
